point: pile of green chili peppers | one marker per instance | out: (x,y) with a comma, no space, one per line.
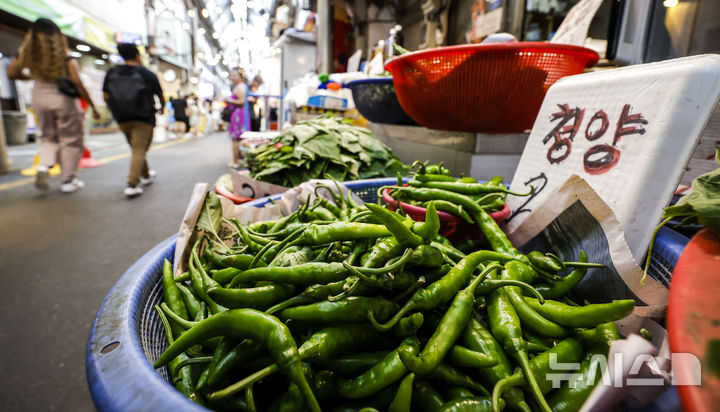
(347,307)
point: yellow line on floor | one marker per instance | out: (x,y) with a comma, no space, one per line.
(29,180)
(17,183)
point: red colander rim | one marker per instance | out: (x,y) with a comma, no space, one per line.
(498,216)
(591,55)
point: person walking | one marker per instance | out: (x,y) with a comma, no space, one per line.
(181,113)
(43,53)
(129,91)
(239,116)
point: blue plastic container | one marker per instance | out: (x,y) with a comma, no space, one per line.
(127,337)
(375,99)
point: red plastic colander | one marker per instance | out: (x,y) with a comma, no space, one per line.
(490,88)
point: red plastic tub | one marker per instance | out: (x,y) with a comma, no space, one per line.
(451,226)
(491,88)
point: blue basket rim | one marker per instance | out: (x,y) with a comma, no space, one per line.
(373,80)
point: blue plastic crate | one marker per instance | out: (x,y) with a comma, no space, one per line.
(126,337)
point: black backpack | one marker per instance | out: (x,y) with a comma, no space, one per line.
(130,97)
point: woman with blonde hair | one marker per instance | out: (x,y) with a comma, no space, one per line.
(44,54)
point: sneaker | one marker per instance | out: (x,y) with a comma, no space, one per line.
(132,191)
(234,165)
(73,186)
(42,177)
(149,180)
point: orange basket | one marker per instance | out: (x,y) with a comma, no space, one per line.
(490,88)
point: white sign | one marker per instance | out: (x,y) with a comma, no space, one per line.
(575,25)
(628,132)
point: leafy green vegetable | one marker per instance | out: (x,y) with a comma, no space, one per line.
(326,146)
(701,205)
(210,219)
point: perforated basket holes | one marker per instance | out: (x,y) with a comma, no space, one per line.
(661,269)
(151,331)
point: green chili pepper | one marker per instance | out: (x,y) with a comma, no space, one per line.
(224,276)
(464,357)
(429,229)
(352,364)
(571,399)
(505,326)
(560,288)
(490,285)
(432,177)
(403,398)
(342,231)
(352,309)
(449,250)
(226,345)
(305,274)
(426,397)
(199,282)
(528,316)
(428,194)
(474,404)
(566,351)
(293,256)
(334,340)
(408,325)
(242,353)
(455,392)
(212,258)
(311,294)
(383,250)
(476,337)
(449,330)
(466,188)
(238,261)
(380,376)
(587,316)
(255,325)
(290,401)
(427,256)
(497,238)
(395,226)
(452,208)
(181,377)
(538,259)
(446,373)
(444,289)
(259,298)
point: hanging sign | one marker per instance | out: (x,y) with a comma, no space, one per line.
(628,132)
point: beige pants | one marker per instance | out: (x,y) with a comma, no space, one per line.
(139,136)
(61,125)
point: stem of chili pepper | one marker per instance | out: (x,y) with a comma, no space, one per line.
(462,356)
(192,361)
(311,294)
(444,289)
(415,286)
(347,291)
(397,265)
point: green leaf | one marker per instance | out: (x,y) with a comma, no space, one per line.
(210,218)
(703,202)
(301,152)
(324,146)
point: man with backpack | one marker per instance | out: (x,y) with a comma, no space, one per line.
(129,91)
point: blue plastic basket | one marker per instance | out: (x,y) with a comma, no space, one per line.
(375,99)
(127,336)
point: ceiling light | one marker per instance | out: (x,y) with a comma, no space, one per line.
(75,55)
(218,10)
(215,35)
(192,13)
(186,26)
(83,47)
(205,13)
(201,30)
(104,56)
(100,62)
(670,3)
(250,4)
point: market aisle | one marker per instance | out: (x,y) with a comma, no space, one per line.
(60,254)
